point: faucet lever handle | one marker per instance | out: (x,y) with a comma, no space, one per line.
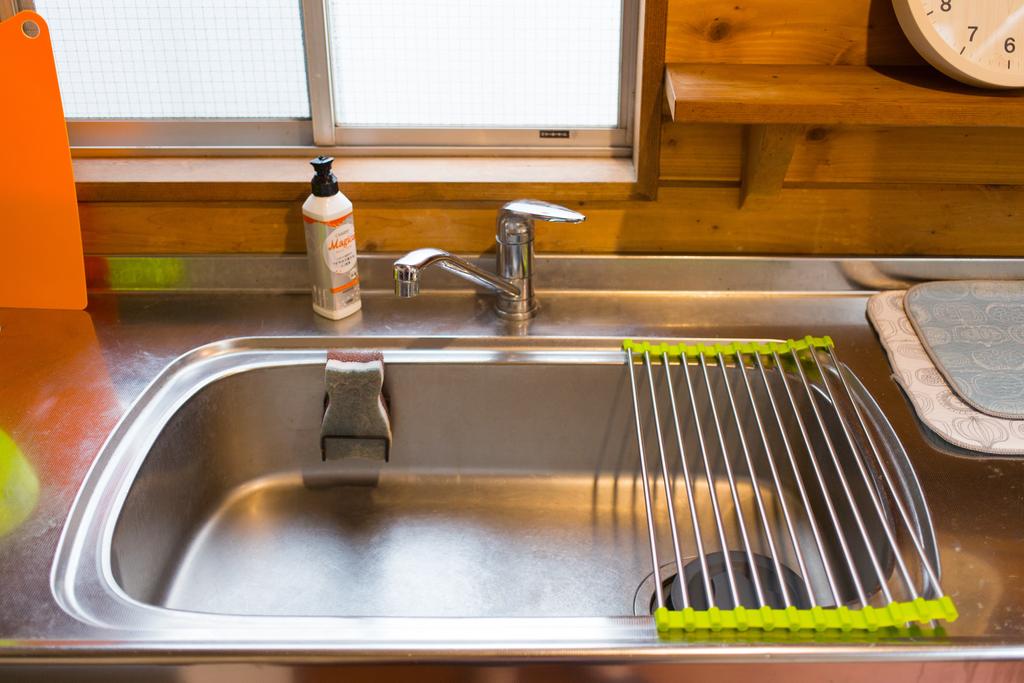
(537,210)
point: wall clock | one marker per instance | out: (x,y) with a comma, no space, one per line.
(980,42)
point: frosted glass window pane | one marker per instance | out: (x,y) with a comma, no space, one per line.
(179,58)
(476,63)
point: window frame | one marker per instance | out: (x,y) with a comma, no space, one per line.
(321,133)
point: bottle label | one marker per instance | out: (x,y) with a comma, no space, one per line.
(334,270)
(340,247)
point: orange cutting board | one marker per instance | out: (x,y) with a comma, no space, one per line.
(41,262)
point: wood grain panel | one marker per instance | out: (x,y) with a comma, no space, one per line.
(709,152)
(701,151)
(786,32)
(918,220)
(907,155)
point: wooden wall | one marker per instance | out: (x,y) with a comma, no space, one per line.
(889,191)
(786,32)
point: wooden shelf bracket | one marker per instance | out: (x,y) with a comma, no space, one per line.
(767,151)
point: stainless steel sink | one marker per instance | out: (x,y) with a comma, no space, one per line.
(513,491)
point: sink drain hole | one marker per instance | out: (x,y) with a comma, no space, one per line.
(693,579)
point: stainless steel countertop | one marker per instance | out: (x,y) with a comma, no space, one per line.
(67,378)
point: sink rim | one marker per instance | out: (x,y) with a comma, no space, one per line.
(83,583)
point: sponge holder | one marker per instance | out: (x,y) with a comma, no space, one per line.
(777,385)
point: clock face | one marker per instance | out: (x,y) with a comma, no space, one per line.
(980,42)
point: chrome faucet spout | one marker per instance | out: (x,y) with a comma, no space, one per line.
(514,280)
(409,267)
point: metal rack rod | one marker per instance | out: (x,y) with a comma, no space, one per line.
(757,497)
(690,498)
(667,482)
(755,487)
(833,516)
(872,493)
(733,491)
(712,492)
(897,499)
(658,590)
(804,498)
(858,519)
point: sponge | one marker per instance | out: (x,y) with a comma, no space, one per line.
(356,422)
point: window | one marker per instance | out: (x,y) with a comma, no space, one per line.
(359,76)
(123,59)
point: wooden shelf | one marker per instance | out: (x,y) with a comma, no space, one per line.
(833,95)
(777,102)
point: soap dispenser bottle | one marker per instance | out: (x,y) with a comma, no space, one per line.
(331,245)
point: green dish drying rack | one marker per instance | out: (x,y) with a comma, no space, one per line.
(812,431)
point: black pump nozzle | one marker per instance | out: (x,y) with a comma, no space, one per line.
(325,183)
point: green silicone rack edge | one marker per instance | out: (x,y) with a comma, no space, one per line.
(677,351)
(868,618)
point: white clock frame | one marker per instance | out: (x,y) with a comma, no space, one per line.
(918,27)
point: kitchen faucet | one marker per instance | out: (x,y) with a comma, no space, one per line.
(513,282)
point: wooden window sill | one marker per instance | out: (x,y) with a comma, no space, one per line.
(377,179)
